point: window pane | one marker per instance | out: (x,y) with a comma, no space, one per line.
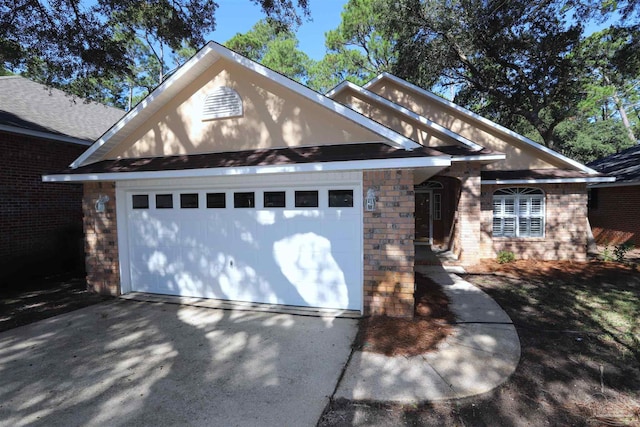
(244,200)
(497,206)
(509,227)
(140,201)
(437,206)
(274,199)
(306,199)
(509,206)
(497,227)
(216,200)
(523,227)
(536,206)
(523,206)
(536,227)
(164,201)
(340,198)
(189,201)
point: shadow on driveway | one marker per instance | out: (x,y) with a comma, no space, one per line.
(132,363)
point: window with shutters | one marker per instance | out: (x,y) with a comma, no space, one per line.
(221,103)
(518,212)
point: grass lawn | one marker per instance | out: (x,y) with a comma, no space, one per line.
(579,328)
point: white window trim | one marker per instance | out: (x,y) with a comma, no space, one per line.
(518,193)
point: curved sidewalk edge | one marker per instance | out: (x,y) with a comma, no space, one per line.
(481,354)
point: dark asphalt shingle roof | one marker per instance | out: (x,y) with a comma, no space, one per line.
(32,106)
(265,157)
(625,165)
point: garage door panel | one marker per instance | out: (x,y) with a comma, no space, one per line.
(306,257)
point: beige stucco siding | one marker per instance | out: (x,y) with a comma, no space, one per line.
(274,116)
(518,154)
(392,119)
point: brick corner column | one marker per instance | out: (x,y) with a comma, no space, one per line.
(101,240)
(389,244)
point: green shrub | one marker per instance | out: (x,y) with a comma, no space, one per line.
(607,255)
(505,257)
(620,251)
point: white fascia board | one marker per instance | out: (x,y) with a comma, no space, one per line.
(482,157)
(149,99)
(404,163)
(406,112)
(548,180)
(44,135)
(484,120)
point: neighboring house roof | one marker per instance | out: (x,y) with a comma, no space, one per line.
(624,166)
(476,117)
(191,70)
(298,159)
(31,108)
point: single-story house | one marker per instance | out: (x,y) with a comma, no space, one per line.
(232,181)
(614,207)
(42,129)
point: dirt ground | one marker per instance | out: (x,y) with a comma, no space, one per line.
(579,328)
(40,298)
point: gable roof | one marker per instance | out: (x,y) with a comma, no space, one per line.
(478,118)
(199,63)
(624,166)
(435,127)
(32,108)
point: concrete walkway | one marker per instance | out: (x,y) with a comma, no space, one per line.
(481,354)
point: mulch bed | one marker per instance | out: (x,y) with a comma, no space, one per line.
(409,337)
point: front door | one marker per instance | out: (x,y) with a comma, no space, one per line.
(424,223)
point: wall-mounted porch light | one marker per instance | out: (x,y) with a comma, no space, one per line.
(370,200)
(101,202)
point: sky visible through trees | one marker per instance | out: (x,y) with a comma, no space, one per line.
(565,73)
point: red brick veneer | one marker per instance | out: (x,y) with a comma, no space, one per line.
(388,244)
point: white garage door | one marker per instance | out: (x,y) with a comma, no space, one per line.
(237,240)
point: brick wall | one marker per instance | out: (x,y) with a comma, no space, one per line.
(616,218)
(388,244)
(101,240)
(40,223)
(466,233)
(566,226)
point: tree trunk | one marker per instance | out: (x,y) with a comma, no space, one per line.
(625,119)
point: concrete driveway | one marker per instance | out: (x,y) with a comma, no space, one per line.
(134,363)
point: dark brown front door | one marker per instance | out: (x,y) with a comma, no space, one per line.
(423,217)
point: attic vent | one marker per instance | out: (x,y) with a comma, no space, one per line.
(222,102)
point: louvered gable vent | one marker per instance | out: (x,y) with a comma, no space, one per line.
(222,102)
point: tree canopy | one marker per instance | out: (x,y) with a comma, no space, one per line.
(274,46)
(90,43)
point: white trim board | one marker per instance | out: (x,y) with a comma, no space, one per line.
(479,118)
(547,180)
(201,61)
(439,162)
